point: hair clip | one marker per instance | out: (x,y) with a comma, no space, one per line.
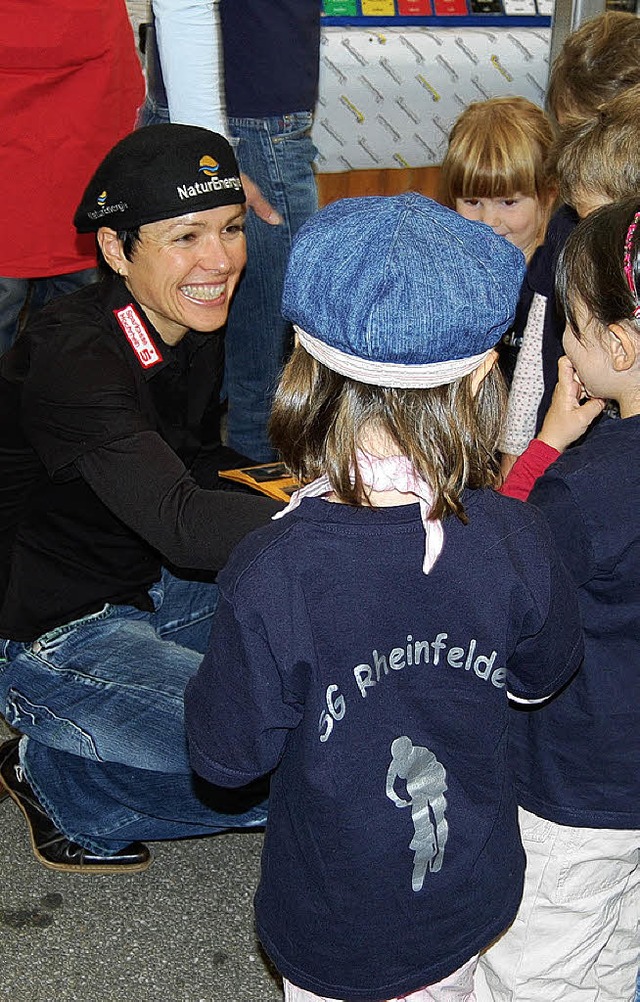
(627,263)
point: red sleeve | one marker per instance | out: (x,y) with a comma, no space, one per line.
(527,468)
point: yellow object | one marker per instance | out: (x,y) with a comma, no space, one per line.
(271,479)
(378,8)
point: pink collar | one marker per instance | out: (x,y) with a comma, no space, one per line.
(390,473)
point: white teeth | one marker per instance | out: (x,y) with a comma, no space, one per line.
(203,292)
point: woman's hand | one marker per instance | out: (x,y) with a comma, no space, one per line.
(256,201)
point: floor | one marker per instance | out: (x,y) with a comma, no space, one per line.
(182,931)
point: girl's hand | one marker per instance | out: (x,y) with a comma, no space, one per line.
(568,418)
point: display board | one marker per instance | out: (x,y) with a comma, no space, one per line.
(389,96)
(387,13)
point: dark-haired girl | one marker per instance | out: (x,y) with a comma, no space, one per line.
(578,756)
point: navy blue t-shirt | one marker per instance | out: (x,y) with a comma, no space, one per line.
(578,757)
(271,56)
(541,276)
(378,695)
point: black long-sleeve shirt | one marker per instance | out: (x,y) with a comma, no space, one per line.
(109,448)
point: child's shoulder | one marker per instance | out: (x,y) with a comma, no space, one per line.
(508,525)
(541,269)
(562,223)
(611,449)
(261,547)
(586,479)
(287,547)
(498,510)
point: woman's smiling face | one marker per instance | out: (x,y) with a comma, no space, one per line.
(184,270)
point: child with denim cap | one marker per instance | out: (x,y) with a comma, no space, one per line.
(597,64)
(578,756)
(365,642)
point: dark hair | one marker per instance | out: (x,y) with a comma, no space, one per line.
(129,240)
(450,434)
(591,265)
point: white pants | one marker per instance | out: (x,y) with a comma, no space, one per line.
(575,937)
(458,987)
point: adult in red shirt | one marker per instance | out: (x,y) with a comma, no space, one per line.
(71,85)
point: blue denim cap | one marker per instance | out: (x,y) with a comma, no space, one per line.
(400,291)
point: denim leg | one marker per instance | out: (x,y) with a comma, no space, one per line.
(13,296)
(151,113)
(43,290)
(104,806)
(101,703)
(109,687)
(183,610)
(15,293)
(276,153)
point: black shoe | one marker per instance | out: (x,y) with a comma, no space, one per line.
(50,846)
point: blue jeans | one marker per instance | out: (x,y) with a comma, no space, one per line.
(14,293)
(100,701)
(276,153)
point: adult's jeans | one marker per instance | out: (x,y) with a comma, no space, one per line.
(100,701)
(15,292)
(276,153)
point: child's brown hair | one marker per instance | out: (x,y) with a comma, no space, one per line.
(601,157)
(449,433)
(497,148)
(595,63)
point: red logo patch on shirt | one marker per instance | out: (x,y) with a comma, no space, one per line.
(138,336)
